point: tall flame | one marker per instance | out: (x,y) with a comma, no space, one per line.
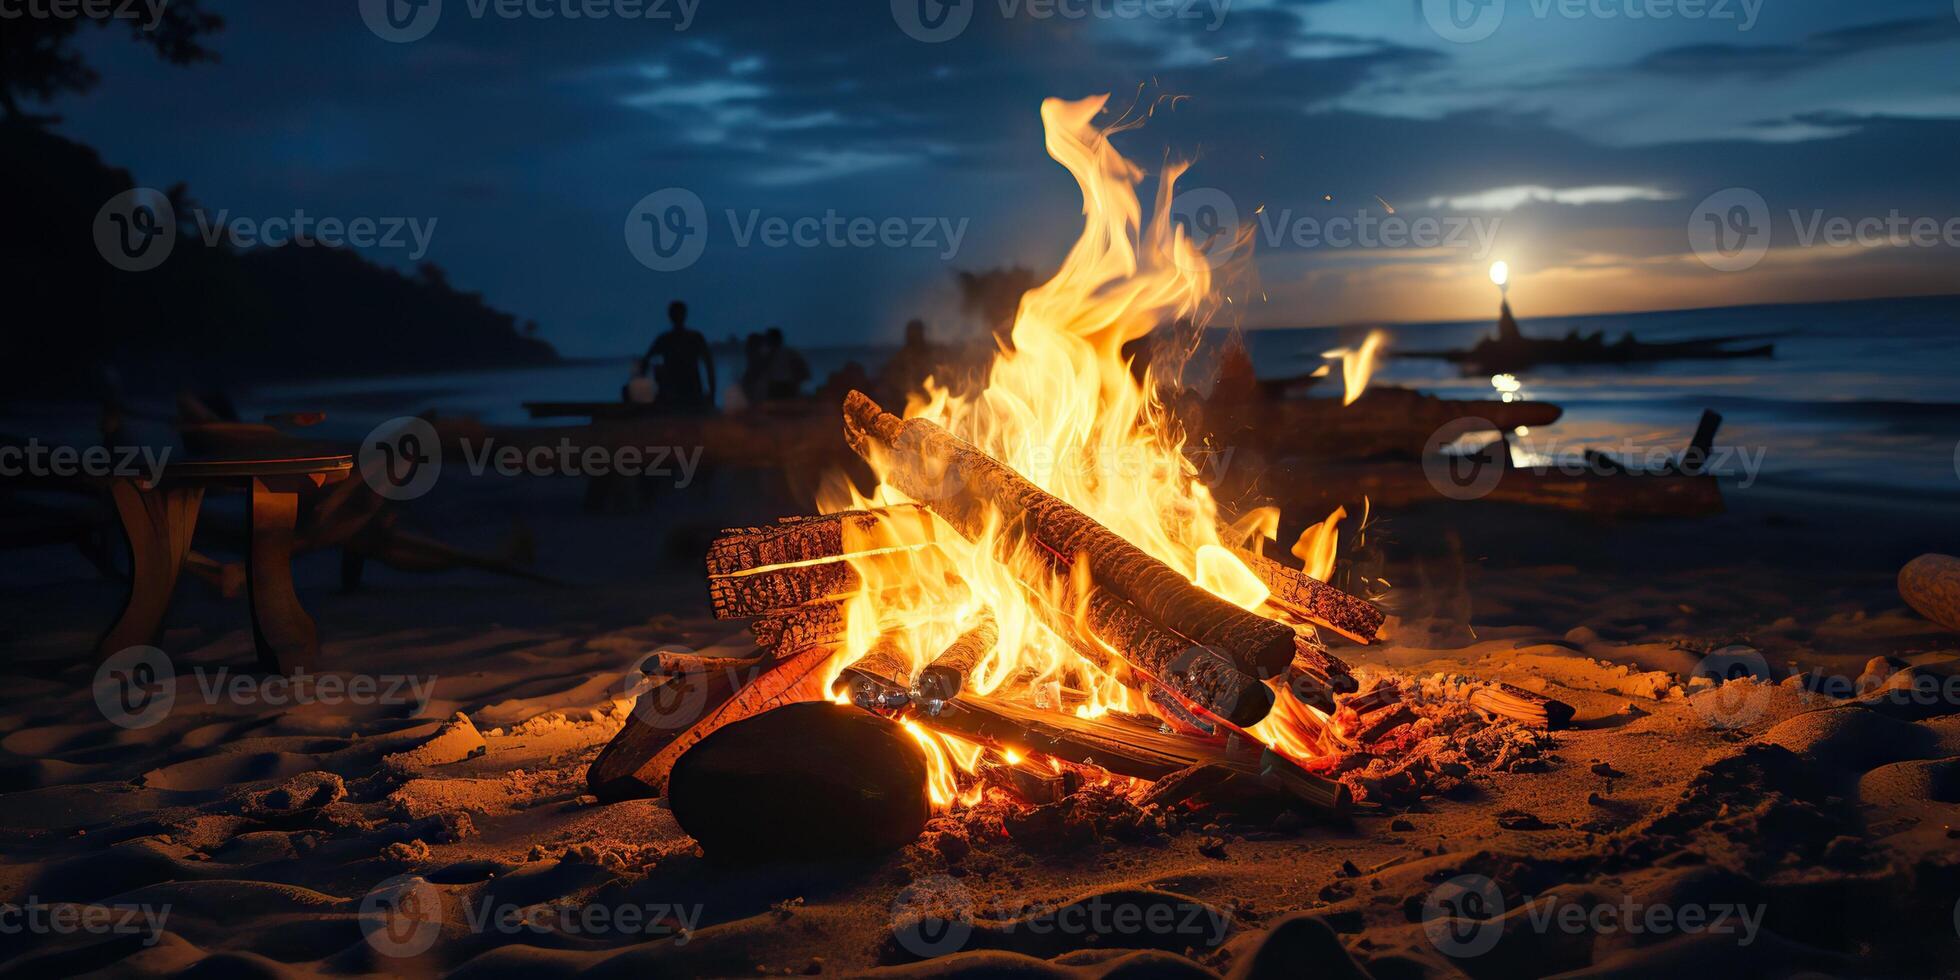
(1062,408)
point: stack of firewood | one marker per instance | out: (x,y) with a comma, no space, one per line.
(1208,668)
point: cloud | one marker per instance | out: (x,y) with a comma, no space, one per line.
(1813,51)
(1518,195)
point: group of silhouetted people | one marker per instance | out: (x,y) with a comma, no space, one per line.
(682,366)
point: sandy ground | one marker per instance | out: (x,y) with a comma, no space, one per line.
(1759,829)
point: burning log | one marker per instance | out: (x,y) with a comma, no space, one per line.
(946,675)
(1198,674)
(1521,705)
(1125,748)
(637,761)
(807,625)
(756,593)
(877,676)
(1315,601)
(857,784)
(967,488)
(741,550)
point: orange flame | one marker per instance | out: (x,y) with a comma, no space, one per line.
(1063,409)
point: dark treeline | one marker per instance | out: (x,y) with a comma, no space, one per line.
(213,310)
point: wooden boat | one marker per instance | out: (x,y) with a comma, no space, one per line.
(1511,351)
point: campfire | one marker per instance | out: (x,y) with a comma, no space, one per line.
(1040,590)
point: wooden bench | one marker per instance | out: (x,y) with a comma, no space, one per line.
(159,517)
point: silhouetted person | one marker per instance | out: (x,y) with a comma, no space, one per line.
(684,359)
(786,370)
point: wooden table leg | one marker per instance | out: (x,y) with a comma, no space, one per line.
(158,525)
(285,634)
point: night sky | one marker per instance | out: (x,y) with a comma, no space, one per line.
(1583,145)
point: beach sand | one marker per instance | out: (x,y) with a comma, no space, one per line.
(271,837)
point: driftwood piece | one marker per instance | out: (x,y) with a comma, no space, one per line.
(1521,705)
(1930,584)
(1308,598)
(946,675)
(666,723)
(969,489)
(802,782)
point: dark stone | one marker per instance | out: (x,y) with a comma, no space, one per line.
(805,781)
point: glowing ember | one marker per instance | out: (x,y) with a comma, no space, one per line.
(1063,409)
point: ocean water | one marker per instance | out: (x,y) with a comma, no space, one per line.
(1858,395)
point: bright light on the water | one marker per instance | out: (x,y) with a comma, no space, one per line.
(1500,272)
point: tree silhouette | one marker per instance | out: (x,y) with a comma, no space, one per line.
(38,59)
